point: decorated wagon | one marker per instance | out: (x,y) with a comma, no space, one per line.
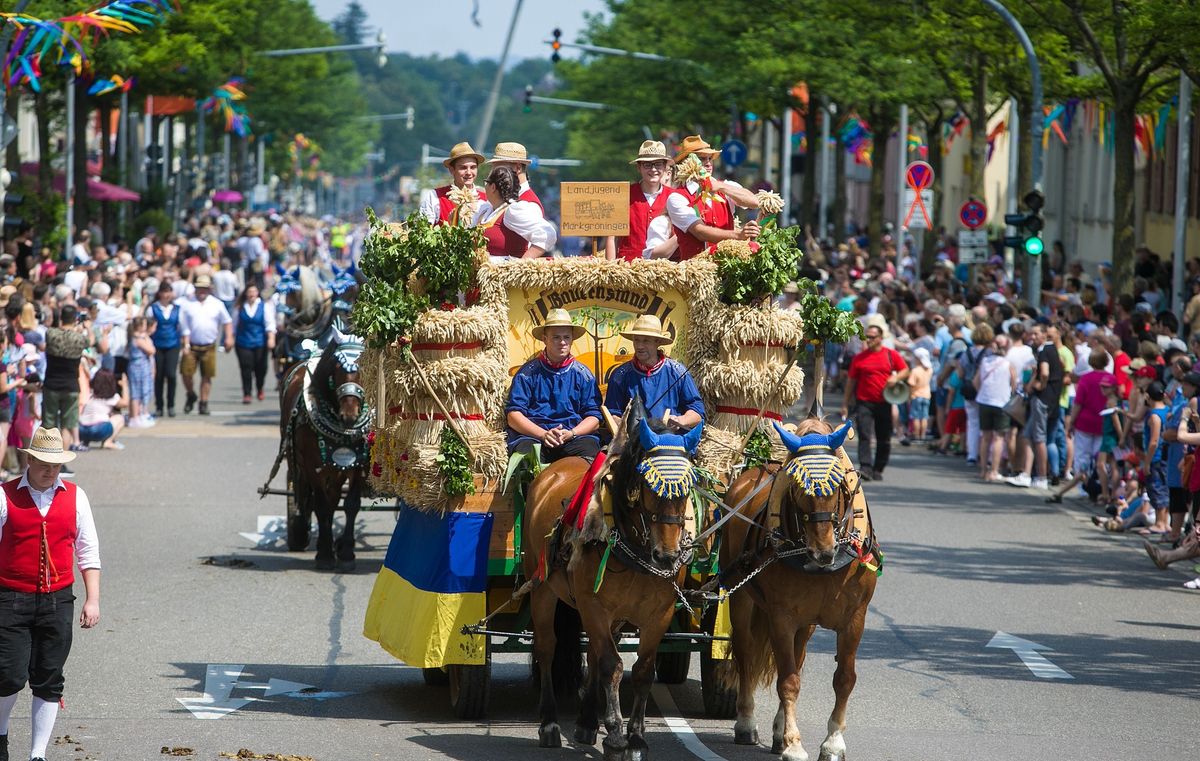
(445,332)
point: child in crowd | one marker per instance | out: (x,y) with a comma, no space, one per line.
(141,373)
(10,381)
(956,417)
(27,415)
(1154,461)
(1107,470)
(918,381)
(1133,509)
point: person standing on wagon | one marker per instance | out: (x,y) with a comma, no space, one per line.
(463,165)
(664,384)
(554,400)
(46,529)
(514,156)
(649,227)
(513,228)
(703,212)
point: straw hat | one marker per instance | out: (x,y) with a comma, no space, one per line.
(257,226)
(791,288)
(6,293)
(557,318)
(648,326)
(651,150)
(514,152)
(463,151)
(47,446)
(27,320)
(694,144)
(203,281)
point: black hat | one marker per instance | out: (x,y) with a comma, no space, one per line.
(1192,379)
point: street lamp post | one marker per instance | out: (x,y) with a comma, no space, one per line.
(377,45)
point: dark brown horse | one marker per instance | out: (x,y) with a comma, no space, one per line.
(324,423)
(630,577)
(814,535)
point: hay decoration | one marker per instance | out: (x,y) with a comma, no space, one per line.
(466,202)
(690,170)
(733,247)
(770,203)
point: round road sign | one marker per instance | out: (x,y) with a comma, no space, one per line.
(973,214)
(919,175)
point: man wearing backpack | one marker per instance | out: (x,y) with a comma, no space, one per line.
(873,369)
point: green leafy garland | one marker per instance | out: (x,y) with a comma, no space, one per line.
(411,268)
(747,275)
(454,464)
(758,449)
(822,320)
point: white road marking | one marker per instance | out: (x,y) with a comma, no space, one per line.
(683,731)
(275,687)
(220,680)
(271,530)
(1027,651)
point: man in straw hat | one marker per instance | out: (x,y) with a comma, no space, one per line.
(649,228)
(46,529)
(463,165)
(514,156)
(664,384)
(703,213)
(202,323)
(554,400)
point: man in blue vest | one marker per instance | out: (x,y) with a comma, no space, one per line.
(664,384)
(554,400)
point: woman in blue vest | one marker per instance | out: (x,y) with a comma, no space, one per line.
(254,338)
(164,314)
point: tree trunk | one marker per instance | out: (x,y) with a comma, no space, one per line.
(838,209)
(882,123)
(808,205)
(12,106)
(979,114)
(82,108)
(43,218)
(1123,191)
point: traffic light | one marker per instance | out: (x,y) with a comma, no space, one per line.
(528,98)
(1029,225)
(556,46)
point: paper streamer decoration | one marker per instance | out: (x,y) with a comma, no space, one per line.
(61,41)
(226,100)
(116,83)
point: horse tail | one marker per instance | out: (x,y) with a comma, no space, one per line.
(567,666)
(752,648)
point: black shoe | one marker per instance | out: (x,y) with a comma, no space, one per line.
(171,412)
(3,747)
(190,404)
(877,475)
(158,412)
(904,442)
(866,474)
(1055,481)
(1111,510)
(204,408)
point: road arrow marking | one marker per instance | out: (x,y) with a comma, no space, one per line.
(319,695)
(271,530)
(219,681)
(1028,653)
(275,687)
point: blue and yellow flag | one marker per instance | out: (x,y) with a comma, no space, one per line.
(433,582)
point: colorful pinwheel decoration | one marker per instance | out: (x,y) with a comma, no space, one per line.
(227,101)
(116,83)
(61,41)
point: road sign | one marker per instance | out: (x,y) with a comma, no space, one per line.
(534,162)
(973,247)
(973,214)
(919,175)
(921,220)
(734,153)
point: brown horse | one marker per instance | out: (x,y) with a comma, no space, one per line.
(813,533)
(324,423)
(630,577)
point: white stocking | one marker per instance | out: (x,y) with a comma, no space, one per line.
(44,714)
(6,706)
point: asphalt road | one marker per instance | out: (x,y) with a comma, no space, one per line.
(184,591)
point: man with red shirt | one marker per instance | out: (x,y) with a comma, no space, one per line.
(463,165)
(873,369)
(703,215)
(649,227)
(46,528)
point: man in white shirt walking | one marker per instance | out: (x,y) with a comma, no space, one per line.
(46,530)
(202,324)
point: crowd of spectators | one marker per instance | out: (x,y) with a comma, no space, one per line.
(1091,396)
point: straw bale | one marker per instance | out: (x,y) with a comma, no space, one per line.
(477,323)
(750,381)
(410,471)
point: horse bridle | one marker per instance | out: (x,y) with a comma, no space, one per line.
(841,518)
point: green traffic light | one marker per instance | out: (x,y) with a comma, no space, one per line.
(1034,246)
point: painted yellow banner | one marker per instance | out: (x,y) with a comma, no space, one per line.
(595,208)
(603,312)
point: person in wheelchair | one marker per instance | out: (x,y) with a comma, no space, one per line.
(554,400)
(664,384)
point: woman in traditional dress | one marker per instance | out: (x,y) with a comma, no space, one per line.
(514,229)
(650,235)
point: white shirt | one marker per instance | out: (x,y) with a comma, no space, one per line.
(201,321)
(225,285)
(79,253)
(429,206)
(995,381)
(76,280)
(525,219)
(1020,357)
(87,545)
(682,214)
(248,309)
(183,290)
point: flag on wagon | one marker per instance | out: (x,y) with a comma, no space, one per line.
(432,584)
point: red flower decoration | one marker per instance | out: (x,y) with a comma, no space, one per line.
(371,439)
(754,246)
(377,470)
(448,306)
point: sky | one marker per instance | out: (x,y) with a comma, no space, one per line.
(444,27)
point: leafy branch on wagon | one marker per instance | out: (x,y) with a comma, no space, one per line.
(411,268)
(748,275)
(824,322)
(454,463)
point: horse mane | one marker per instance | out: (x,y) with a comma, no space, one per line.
(323,372)
(812,425)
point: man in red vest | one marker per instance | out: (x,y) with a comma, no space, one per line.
(46,529)
(703,215)
(649,227)
(513,155)
(463,164)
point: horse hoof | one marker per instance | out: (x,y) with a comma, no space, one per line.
(637,750)
(585,736)
(326,564)
(614,754)
(346,566)
(795,754)
(831,757)
(549,736)
(745,737)
(777,747)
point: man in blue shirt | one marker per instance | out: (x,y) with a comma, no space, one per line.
(554,400)
(664,385)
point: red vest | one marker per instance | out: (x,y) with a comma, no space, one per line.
(715,215)
(641,214)
(504,242)
(446,207)
(532,197)
(38,554)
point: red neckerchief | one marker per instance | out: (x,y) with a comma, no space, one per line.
(553,366)
(662,357)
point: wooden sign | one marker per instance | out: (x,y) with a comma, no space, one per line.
(595,208)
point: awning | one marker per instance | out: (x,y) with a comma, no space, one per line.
(97,190)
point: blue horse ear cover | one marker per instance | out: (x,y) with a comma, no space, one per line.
(831,440)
